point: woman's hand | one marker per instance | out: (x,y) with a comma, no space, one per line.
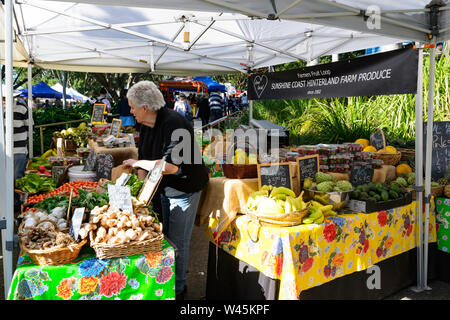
(129,162)
(145,164)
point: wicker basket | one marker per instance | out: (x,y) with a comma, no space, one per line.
(239,171)
(280,220)
(406,153)
(434,191)
(388,158)
(53,256)
(107,251)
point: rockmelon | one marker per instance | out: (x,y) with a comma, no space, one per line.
(364,142)
(370,149)
(402,168)
(391,149)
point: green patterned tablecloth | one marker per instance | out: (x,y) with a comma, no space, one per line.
(149,276)
(443,221)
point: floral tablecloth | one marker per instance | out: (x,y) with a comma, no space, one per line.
(305,256)
(149,276)
(443,221)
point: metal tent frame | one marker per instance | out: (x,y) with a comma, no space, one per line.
(418,20)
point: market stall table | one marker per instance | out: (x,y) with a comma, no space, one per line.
(225,197)
(307,256)
(119,154)
(149,276)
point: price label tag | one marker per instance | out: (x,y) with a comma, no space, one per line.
(75,225)
(123,179)
(120,197)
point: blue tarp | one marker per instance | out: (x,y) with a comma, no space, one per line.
(212,85)
(43,90)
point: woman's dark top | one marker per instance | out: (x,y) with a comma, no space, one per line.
(156,143)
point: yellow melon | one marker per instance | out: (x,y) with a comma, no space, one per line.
(382,150)
(369,149)
(391,149)
(364,142)
(402,168)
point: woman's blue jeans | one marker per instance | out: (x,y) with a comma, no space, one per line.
(178,216)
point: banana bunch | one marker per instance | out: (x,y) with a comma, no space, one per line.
(275,200)
(319,210)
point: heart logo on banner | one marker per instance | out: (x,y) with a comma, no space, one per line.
(259,84)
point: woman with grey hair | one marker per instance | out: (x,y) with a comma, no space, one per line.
(163,133)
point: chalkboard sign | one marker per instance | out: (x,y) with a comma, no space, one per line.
(151,183)
(440,156)
(275,174)
(105,164)
(90,164)
(378,140)
(57,173)
(307,167)
(98,113)
(120,197)
(115,127)
(75,225)
(361,174)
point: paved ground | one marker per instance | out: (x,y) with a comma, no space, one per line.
(196,277)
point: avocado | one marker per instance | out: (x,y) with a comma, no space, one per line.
(377,197)
(385,195)
(393,195)
(355,194)
(364,196)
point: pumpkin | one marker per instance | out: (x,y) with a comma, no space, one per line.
(402,168)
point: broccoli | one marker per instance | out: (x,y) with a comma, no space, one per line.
(322,177)
(344,185)
(326,186)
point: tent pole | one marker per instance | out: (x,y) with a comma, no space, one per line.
(64,87)
(249,68)
(419,172)
(428,159)
(2,189)
(9,152)
(30,111)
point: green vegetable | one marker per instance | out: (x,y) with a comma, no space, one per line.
(50,203)
(322,177)
(384,195)
(90,200)
(326,186)
(133,178)
(344,185)
(136,187)
(33,183)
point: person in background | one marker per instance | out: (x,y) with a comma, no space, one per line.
(203,109)
(103,99)
(20,137)
(46,104)
(216,106)
(244,101)
(182,181)
(35,105)
(123,108)
(182,106)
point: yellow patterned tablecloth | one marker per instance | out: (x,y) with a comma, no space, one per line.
(306,256)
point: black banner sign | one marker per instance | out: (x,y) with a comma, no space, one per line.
(393,72)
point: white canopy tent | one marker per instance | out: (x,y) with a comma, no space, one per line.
(205,37)
(71,92)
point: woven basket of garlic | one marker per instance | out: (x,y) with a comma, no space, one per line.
(115,233)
